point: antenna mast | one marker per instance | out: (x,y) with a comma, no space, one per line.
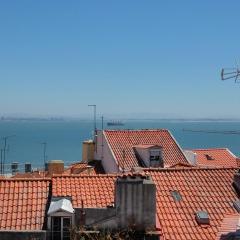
(94,118)
(44,154)
(102,138)
(3,153)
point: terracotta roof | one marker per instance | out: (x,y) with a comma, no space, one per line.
(77,168)
(230,224)
(35,174)
(196,189)
(146,146)
(92,167)
(23,203)
(215,157)
(120,140)
(199,189)
(93,190)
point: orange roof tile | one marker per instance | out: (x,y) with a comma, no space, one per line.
(230,224)
(23,203)
(208,189)
(200,189)
(93,167)
(35,174)
(215,157)
(93,190)
(76,168)
(120,140)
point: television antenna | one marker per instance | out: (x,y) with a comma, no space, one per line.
(231,73)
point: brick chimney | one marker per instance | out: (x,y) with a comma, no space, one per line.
(135,199)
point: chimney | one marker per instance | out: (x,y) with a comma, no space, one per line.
(135,199)
(55,166)
(88,151)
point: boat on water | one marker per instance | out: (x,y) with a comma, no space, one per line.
(115,123)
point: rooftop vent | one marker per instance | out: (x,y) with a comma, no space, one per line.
(236,205)
(176,196)
(209,157)
(202,217)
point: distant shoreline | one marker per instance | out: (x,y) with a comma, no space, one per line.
(67,119)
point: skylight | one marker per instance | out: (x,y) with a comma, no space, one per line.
(176,195)
(202,217)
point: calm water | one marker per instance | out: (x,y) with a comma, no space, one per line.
(64,138)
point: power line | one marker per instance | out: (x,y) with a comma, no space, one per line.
(213,131)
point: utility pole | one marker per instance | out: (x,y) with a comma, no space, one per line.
(3,155)
(94,118)
(102,139)
(124,158)
(44,154)
(1,162)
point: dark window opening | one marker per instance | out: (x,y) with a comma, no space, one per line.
(154,158)
(209,157)
(61,228)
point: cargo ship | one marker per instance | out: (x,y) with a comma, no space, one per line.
(115,123)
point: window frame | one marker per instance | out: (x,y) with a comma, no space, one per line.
(61,226)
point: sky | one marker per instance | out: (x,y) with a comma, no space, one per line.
(131,58)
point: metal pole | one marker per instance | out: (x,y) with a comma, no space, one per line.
(44,154)
(95,118)
(102,139)
(4,152)
(124,157)
(1,161)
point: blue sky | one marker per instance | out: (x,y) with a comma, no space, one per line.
(131,58)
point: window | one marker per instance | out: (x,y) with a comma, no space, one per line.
(202,217)
(155,155)
(176,195)
(61,228)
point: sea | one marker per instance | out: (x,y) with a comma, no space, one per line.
(63,138)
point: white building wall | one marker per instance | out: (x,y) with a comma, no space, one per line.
(104,153)
(191,157)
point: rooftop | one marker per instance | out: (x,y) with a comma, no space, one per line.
(120,140)
(181,194)
(215,157)
(23,203)
(93,190)
(208,190)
